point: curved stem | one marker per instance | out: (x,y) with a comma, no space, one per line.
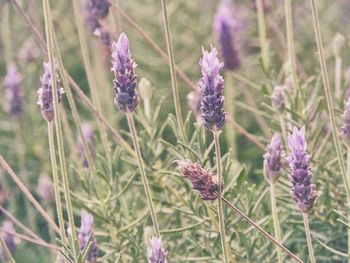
(172,69)
(329,99)
(7,251)
(147,189)
(308,237)
(50,49)
(276,224)
(290,41)
(220,207)
(262,34)
(56,181)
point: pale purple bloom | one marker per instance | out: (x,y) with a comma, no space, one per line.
(86,229)
(13,93)
(345,129)
(212,85)
(10,240)
(226,26)
(126,98)
(45,189)
(29,52)
(202,180)
(98,8)
(157,253)
(278,98)
(303,191)
(194,102)
(273,159)
(88,136)
(45,98)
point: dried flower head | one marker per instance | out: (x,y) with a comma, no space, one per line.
(45,189)
(157,253)
(126,98)
(226,27)
(278,98)
(303,191)
(212,85)
(45,98)
(273,159)
(202,180)
(86,229)
(13,93)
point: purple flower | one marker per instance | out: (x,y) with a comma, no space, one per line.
(45,189)
(86,228)
(212,85)
(13,94)
(273,159)
(194,102)
(88,136)
(303,191)
(225,27)
(278,98)
(157,253)
(98,8)
(126,98)
(45,98)
(8,238)
(202,180)
(29,52)
(345,129)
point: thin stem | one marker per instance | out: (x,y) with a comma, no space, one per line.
(327,90)
(220,207)
(229,91)
(251,222)
(348,175)
(146,187)
(290,41)
(27,193)
(7,251)
(308,237)
(262,34)
(66,189)
(89,72)
(172,69)
(283,128)
(338,77)
(6,33)
(56,186)
(276,224)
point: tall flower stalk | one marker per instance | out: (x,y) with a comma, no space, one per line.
(264,45)
(55,98)
(272,171)
(303,191)
(214,117)
(126,100)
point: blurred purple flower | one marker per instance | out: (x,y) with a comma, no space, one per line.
(194,103)
(202,180)
(157,253)
(303,191)
(273,159)
(45,189)
(345,130)
(226,26)
(29,52)
(212,85)
(8,238)
(88,136)
(13,93)
(98,8)
(278,98)
(86,229)
(126,98)
(45,98)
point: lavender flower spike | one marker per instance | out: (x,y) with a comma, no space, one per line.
(345,130)
(273,159)
(126,98)
(303,191)
(8,238)
(225,27)
(86,228)
(45,98)
(13,94)
(202,180)
(211,85)
(157,253)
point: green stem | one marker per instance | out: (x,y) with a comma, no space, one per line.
(348,175)
(327,90)
(308,237)
(89,72)
(283,128)
(146,187)
(220,207)
(172,70)
(262,34)
(276,224)
(229,91)
(290,41)
(65,180)
(56,185)
(7,251)
(6,33)
(338,73)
